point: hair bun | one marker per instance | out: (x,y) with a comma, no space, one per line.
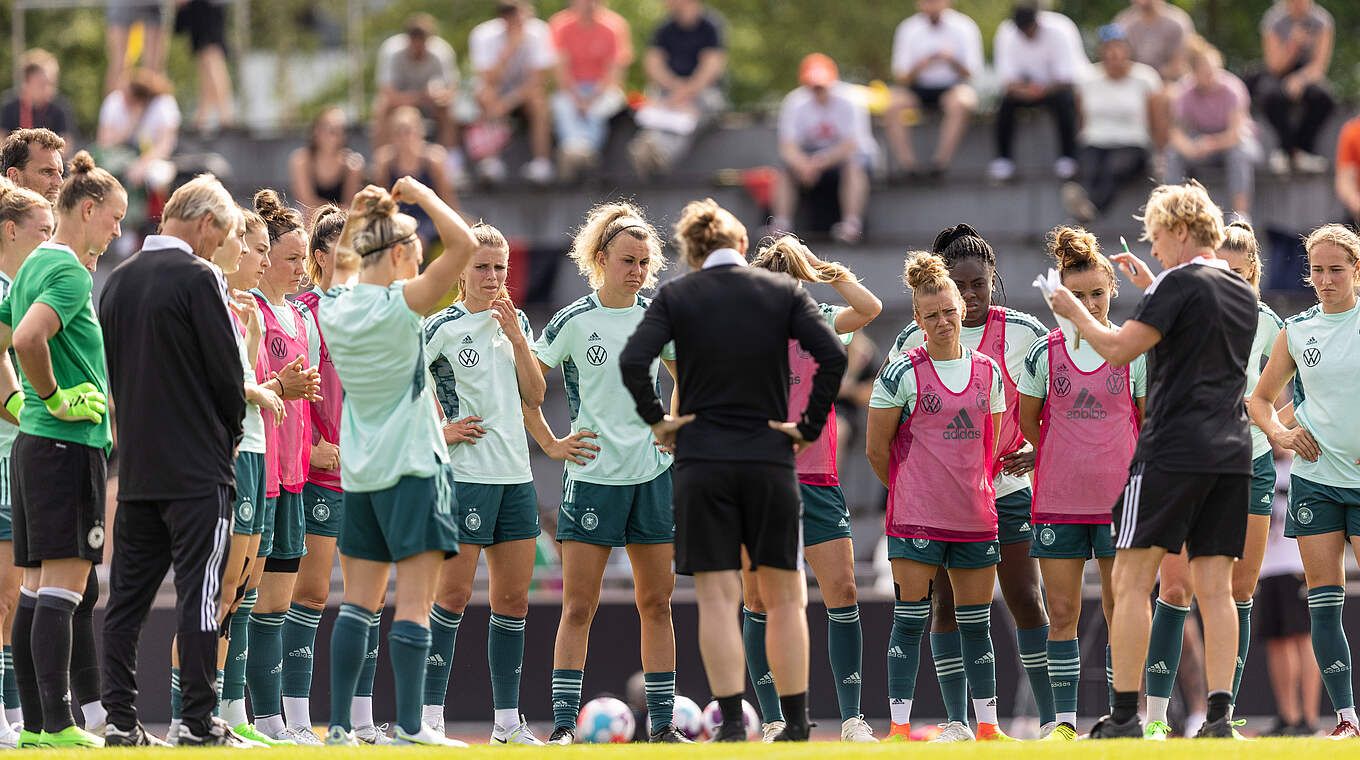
(950,234)
(1242,224)
(82,163)
(376,202)
(924,269)
(267,202)
(1073,247)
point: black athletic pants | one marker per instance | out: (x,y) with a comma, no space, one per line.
(149,537)
(1060,102)
(1297,123)
(1103,170)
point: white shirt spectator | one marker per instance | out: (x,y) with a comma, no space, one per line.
(161,113)
(1114,111)
(917,39)
(1053,56)
(814,126)
(536,52)
(398,70)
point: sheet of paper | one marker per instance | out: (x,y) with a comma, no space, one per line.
(1048,284)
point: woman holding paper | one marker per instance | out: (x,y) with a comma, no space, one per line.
(1082,415)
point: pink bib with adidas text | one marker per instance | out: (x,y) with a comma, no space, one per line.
(289,460)
(325,416)
(817,463)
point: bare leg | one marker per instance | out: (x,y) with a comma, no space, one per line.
(1135,573)
(1282,661)
(653,583)
(785,596)
(958,105)
(895,126)
(854,190)
(582,573)
(720,643)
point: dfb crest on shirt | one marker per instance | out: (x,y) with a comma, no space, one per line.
(277,347)
(931,404)
(468,357)
(1114,383)
(596,355)
(1061,385)
(1311,356)
(981,401)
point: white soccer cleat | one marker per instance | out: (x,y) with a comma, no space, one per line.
(1047,729)
(857,730)
(301,736)
(520,734)
(425,737)
(370,734)
(339,737)
(955,731)
(768,731)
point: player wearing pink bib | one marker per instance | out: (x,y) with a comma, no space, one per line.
(826,519)
(1082,416)
(933,421)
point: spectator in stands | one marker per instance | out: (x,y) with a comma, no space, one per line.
(205,23)
(1348,169)
(512,54)
(138,131)
(594,48)
(416,68)
(1297,37)
(31,159)
(824,137)
(1211,124)
(1158,33)
(1115,98)
(325,170)
(36,102)
(684,65)
(121,17)
(936,52)
(410,154)
(1037,54)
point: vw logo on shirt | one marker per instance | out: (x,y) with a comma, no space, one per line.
(1061,385)
(277,347)
(596,355)
(468,357)
(1114,383)
(1311,356)
(931,404)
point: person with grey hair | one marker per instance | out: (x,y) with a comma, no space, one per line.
(175,368)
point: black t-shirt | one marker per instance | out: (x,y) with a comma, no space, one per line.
(683,45)
(1197,374)
(55,116)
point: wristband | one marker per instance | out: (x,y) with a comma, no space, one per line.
(15,403)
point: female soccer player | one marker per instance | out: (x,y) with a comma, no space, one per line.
(485,376)
(826,519)
(1005,335)
(399,499)
(933,423)
(1320,350)
(621,496)
(1082,416)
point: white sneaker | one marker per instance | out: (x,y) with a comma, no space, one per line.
(770,730)
(520,734)
(1311,163)
(538,171)
(339,737)
(492,169)
(9,736)
(1279,162)
(857,730)
(1065,167)
(301,736)
(436,725)
(375,735)
(1047,729)
(955,732)
(1001,170)
(172,733)
(425,737)
(282,736)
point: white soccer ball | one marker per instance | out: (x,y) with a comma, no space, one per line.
(688,719)
(713,720)
(605,720)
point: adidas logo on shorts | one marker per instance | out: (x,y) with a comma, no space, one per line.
(984,659)
(991,550)
(1336,667)
(896,651)
(961,428)
(305,653)
(594,337)
(1086,407)
(842,523)
(853,678)
(1159,668)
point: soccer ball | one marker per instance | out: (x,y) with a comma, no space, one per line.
(713,720)
(689,720)
(605,720)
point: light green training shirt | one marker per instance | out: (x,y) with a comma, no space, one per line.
(1326,351)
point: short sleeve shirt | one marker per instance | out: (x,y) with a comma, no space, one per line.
(1033,382)
(585,339)
(1115,111)
(1326,352)
(161,113)
(683,46)
(401,71)
(535,52)
(1348,145)
(815,126)
(52,275)
(917,38)
(896,384)
(473,364)
(1280,24)
(590,50)
(390,422)
(1196,418)
(1207,112)
(1158,41)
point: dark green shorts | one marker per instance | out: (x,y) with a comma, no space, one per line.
(290,538)
(265,517)
(415,515)
(1262,485)
(495,513)
(1072,541)
(323,510)
(1315,509)
(248,511)
(1013,516)
(825,516)
(617,515)
(958,555)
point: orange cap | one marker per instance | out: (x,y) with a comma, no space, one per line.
(818,70)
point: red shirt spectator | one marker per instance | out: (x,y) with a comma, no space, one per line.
(591,47)
(1348,167)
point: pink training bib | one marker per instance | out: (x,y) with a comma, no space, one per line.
(291,458)
(940,466)
(817,463)
(1088,430)
(994,345)
(325,416)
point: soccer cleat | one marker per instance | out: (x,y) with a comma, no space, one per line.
(1047,729)
(1107,728)
(562,735)
(339,737)
(1157,731)
(899,732)
(425,737)
(71,737)
(302,736)
(792,733)
(991,732)
(137,736)
(1062,733)
(1236,724)
(371,734)
(768,731)
(736,732)
(520,734)
(29,739)
(9,736)
(1344,730)
(955,731)
(1216,729)
(219,734)
(668,734)
(248,732)
(857,730)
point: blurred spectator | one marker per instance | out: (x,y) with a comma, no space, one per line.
(1297,37)
(511,54)
(138,130)
(1114,97)
(409,154)
(594,48)
(1037,57)
(417,68)
(129,22)
(684,65)
(205,22)
(1348,169)
(31,158)
(325,170)
(825,144)
(935,53)
(1211,124)
(36,103)
(1158,33)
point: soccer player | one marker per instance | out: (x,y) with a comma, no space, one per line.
(1082,416)
(934,418)
(826,519)
(1189,481)
(620,496)
(485,376)
(400,505)
(1005,335)
(1320,350)
(59,459)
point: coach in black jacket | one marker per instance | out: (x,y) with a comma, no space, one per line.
(175,376)
(734,477)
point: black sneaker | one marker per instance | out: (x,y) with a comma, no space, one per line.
(730,732)
(1106,728)
(669,734)
(219,734)
(1216,729)
(137,736)
(562,735)
(792,732)
(1303,728)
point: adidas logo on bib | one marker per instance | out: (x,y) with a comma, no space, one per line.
(961,428)
(1086,407)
